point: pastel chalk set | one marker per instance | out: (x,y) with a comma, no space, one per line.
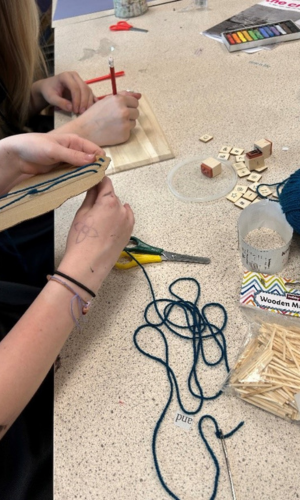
(259,35)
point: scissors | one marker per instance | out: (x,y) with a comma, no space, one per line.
(124,26)
(146,254)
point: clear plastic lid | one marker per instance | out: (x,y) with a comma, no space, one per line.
(187,182)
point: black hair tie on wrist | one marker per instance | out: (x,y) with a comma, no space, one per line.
(76,283)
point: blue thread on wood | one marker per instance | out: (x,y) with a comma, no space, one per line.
(197,324)
(57,180)
(289,198)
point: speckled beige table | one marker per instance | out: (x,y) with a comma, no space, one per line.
(108,396)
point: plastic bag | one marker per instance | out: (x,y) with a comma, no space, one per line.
(267,371)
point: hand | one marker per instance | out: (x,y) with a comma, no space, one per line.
(33,154)
(66,91)
(107,122)
(100,231)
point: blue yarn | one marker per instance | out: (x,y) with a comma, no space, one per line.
(52,182)
(289,198)
(212,454)
(197,330)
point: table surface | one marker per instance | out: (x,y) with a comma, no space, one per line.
(108,396)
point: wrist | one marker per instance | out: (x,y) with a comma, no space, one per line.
(78,305)
(10,165)
(82,274)
(75,282)
(37,101)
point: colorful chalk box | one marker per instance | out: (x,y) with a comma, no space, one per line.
(262,34)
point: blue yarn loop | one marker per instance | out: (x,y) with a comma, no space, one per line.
(46,185)
(200,333)
(288,192)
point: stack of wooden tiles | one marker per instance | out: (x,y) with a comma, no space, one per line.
(251,165)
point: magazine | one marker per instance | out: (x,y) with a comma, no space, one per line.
(268,11)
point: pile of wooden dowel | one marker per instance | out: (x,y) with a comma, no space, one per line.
(267,374)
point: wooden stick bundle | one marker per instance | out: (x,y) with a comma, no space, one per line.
(267,374)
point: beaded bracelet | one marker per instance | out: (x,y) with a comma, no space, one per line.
(82,305)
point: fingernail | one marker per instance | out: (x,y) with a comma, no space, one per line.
(90,157)
(69,106)
(82,110)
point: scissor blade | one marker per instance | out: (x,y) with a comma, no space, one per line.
(138,29)
(177,257)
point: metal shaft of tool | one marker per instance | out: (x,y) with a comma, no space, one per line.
(227,464)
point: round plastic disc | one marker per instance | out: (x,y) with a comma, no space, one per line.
(188,183)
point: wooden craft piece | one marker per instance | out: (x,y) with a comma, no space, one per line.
(238,165)
(242,203)
(254,159)
(39,203)
(242,172)
(265,146)
(211,167)
(237,151)
(250,195)
(253,186)
(234,196)
(225,149)
(223,156)
(261,169)
(265,191)
(254,177)
(206,138)
(147,143)
(267,374)
(241,189)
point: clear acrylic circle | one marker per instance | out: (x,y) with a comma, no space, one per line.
(187,182)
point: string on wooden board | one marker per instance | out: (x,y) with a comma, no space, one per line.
(41,187)
(196,330)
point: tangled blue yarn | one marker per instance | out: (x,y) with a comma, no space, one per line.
(196,330)
(288,192)
(289,199)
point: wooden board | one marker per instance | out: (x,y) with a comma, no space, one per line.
(147,143)
(39,203)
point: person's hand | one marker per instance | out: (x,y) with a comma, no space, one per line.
(33,154)
(65,90)
(108,122)
(101,229)
(39,153)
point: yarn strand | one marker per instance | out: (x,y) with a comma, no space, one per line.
(29,191)
(198,331)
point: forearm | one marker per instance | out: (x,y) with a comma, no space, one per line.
(9,174)
(79,126)
(30,348)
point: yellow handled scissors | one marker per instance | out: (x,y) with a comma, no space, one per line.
(146,254)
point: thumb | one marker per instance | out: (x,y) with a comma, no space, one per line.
(61,103)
